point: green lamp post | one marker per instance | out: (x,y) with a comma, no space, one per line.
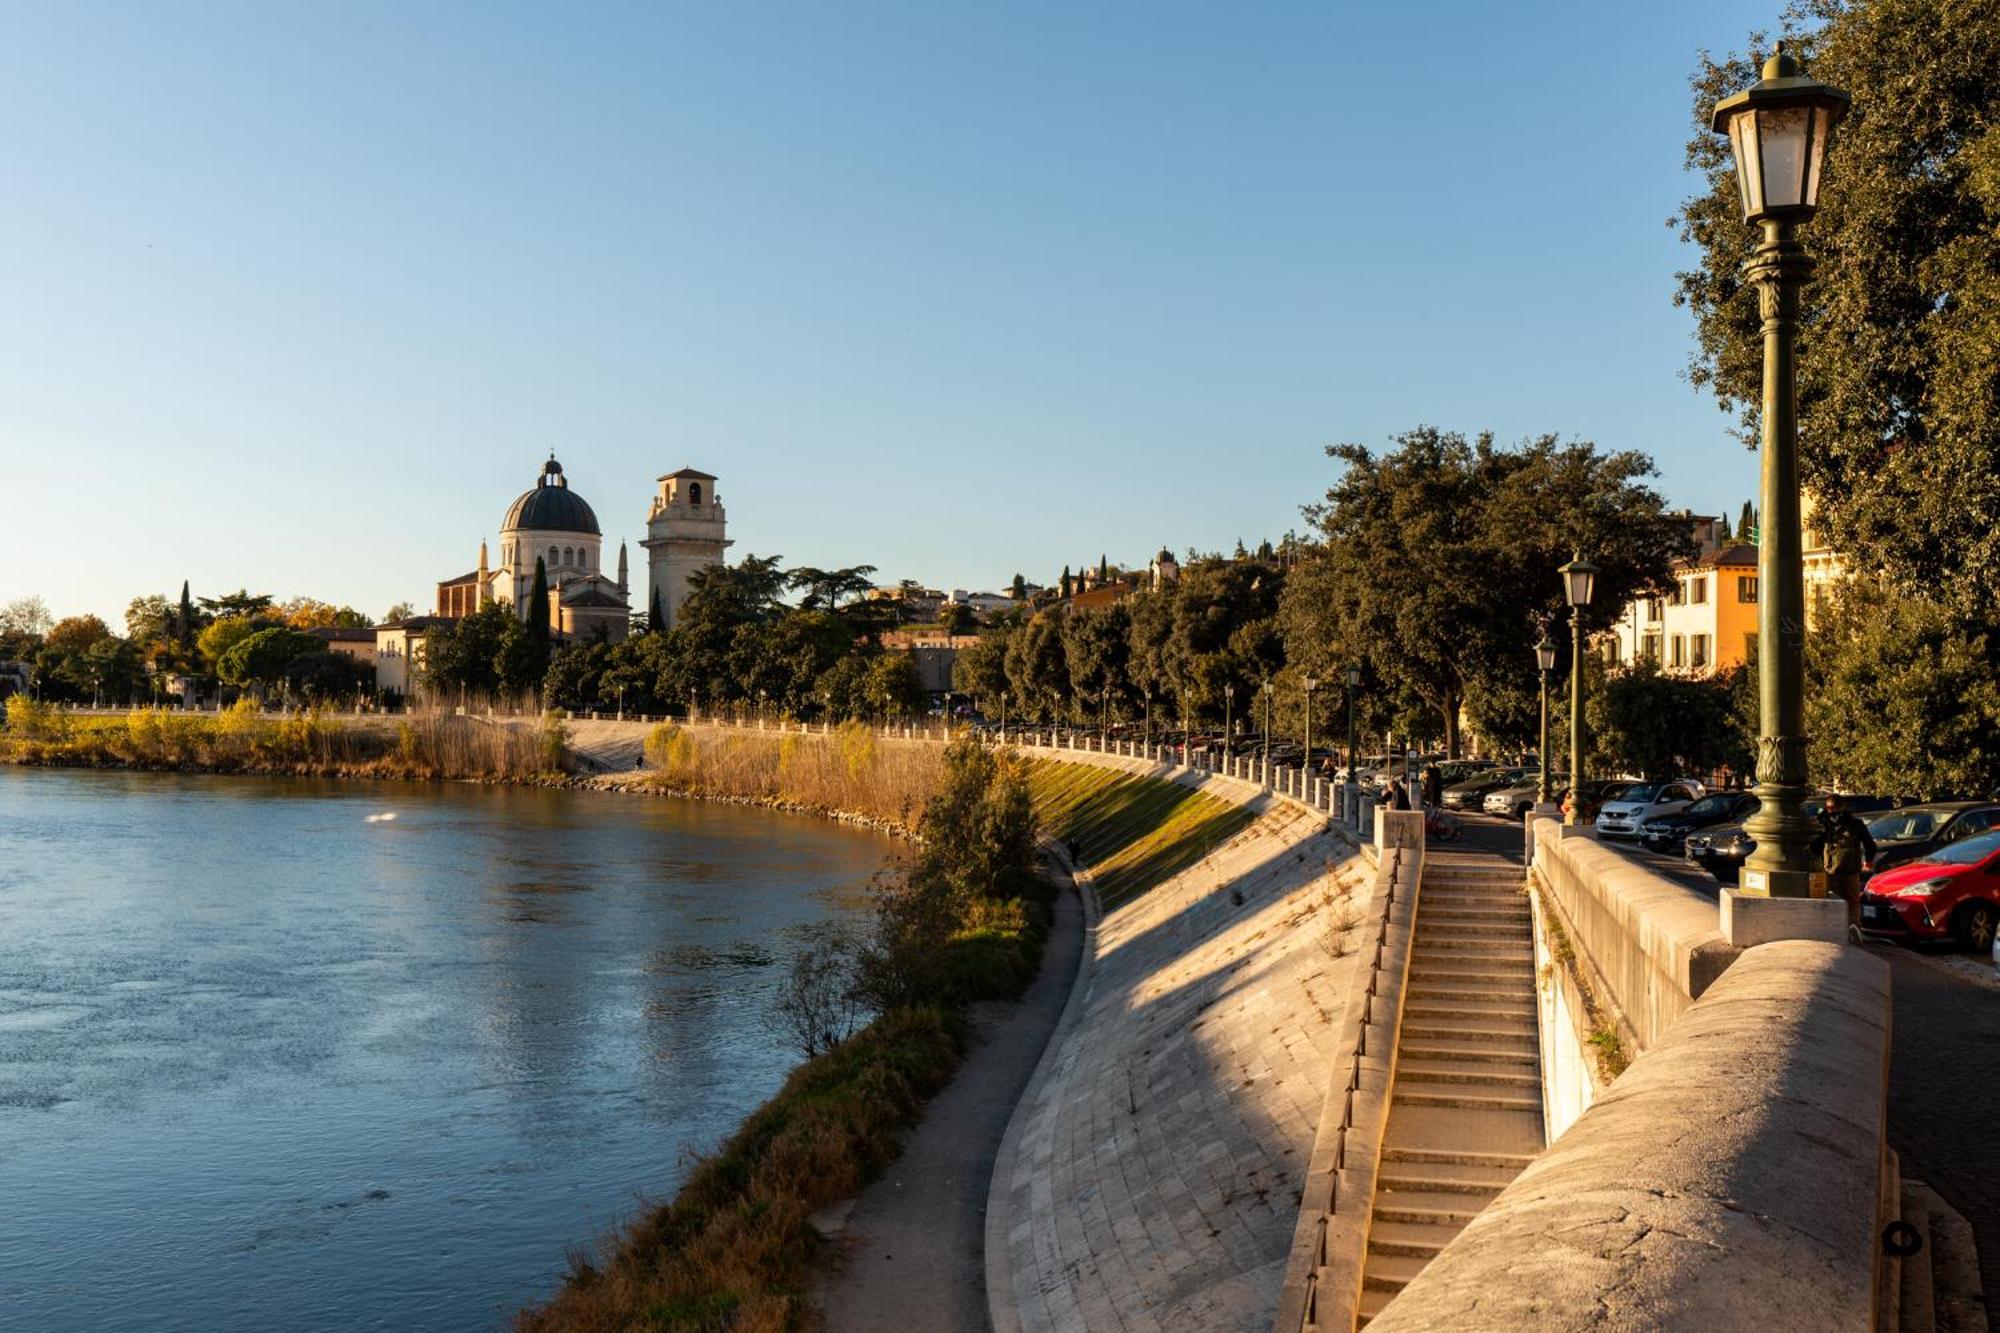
(1353,680)
(1310,683)
(1545,658)
(1266,691)
(1778,131)
(1579,582)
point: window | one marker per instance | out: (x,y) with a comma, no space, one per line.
(552,555)
(1650,648)
(1746,589)
(569,556)
(1680,651)
(1698,590)
(1698,650)
(1654,610)
(1678,596)
(694,492)
(1611,652)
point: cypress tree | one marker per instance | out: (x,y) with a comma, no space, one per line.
(1065,582)
(1020,588)
(537,625)
(1746,526)
(184,628)
(656,621)
(1104,569)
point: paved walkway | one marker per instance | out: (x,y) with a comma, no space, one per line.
(1159,1153)
(916,1238)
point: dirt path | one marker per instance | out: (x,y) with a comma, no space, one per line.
(916,1238)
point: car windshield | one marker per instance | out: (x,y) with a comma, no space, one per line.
(1640,791)
(1967,852)
(1711,805)
(1905,825)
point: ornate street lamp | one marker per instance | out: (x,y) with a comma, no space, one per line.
(1003,717)
(1149,722)
(1545,658)
(1228,719)
(1778,131)
(1353,681)
(1579,582)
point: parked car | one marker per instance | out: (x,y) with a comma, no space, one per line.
(1667,833)
(1951,891)
(1915,831)
(1515,800)
(1470,792)
(1722,850)
(1621,817)
(1595,794)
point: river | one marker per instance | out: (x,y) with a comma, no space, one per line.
(272,1060)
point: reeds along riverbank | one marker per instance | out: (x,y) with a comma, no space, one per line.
(851,769)
(242,740)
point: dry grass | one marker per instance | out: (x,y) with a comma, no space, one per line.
(851,769)
(240,740)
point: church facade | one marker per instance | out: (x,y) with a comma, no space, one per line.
(552,523)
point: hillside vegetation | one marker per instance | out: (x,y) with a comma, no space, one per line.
(1132,832)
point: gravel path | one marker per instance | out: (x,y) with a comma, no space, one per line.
(916,1238)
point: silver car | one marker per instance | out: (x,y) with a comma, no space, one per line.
(1516,800)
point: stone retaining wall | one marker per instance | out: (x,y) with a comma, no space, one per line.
(1729,1179)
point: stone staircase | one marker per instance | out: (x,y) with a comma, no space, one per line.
(1465,1110)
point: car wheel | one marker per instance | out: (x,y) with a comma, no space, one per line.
(1974,926)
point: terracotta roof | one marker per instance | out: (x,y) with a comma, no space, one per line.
(339,634)
(690,474)
(472,577)
(1740,553)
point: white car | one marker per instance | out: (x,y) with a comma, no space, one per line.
(1642,801)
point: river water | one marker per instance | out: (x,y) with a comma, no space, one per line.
(271,1061)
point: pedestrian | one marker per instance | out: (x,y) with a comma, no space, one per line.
(1847,850)
(1399,795)
(1433,786)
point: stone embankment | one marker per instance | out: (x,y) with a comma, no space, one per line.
(1152,1173)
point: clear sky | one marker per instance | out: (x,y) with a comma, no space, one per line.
(300,297)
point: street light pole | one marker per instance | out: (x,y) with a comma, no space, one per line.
(1545,657)
(1228,720)
(1149,722)
(1579,581)
(1353,679)
(1266,692)
(1309,683)
(1778,131)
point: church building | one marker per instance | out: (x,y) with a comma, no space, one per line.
(685,531)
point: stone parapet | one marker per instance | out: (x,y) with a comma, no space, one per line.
(1649,945)
(1729,1179)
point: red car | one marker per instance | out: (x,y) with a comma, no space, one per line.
(1953,892)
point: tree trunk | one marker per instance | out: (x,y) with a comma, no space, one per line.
(1451,736)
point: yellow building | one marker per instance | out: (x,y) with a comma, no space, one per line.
(1704,624)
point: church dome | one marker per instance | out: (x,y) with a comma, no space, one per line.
(551,507)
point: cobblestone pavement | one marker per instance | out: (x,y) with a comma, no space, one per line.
(1163,1145)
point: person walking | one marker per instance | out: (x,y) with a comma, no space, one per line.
(1433,786)
(1399,795)
(1847,849)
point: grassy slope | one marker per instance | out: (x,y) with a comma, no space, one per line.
(1134,832)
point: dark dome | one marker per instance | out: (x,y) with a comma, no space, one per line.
(552,506)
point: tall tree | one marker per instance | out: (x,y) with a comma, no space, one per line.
(656,618)
(1899,345)
(242,603)
(1439,557)
(1019,588)
(184,626)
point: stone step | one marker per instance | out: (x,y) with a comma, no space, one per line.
(1499,910)
(1371,1305)
(1417,1209)
(1498,1053)
(1410,1240)
(1422,1092)
(1520,1036)
(1389,1272)
(1477,1177)
(1452,1128)
(1505,1161)
(1483,1074)
(1513,1008)
(1517,984)
(1517,926)
(1483,951)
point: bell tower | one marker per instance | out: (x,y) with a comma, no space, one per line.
(685,531)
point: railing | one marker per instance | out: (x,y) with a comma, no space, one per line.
(1348,1145)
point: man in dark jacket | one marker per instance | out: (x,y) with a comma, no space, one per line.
(1846,850)
(1399,795)
(1433,787)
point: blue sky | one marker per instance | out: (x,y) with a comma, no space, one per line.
(299,297)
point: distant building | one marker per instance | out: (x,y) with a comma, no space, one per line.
(686,531)
(553,524)
(1706,623)
(1163,570)
(981,603)
(934,654)
(1824,566)
(358,644)
(399,652)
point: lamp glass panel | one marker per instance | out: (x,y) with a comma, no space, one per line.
(1781,136)
(1545,655)
(1743,143)
(1822,130)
